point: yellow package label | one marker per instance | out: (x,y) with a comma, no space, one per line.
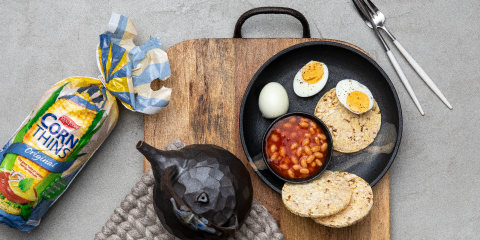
(68,124)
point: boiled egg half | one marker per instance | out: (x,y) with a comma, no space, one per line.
(310,79)
(354,96)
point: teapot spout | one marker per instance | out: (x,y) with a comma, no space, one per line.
(153,155)
(148,151)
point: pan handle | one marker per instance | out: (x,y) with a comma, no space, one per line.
(271,10)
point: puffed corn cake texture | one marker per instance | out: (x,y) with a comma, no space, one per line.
(9,209)
(328,194)
(350,132)
(359,207)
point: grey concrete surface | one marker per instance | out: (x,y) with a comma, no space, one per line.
(434,187)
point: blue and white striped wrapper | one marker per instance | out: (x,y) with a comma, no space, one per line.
(128,69)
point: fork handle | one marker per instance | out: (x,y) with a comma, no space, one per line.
(404,80)
(422,73)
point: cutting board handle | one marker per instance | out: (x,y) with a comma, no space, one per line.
(237,33)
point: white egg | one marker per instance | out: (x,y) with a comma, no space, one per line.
(273,100)
(354,96)
(310,79)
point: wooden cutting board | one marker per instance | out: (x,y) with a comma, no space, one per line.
(209,77)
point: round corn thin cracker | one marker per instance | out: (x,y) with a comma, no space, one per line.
(350,132)
(328,194)
(359,207)
(9,209)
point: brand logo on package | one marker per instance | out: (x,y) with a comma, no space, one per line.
(68,122)
(54,135)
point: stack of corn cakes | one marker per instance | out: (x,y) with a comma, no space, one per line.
(335,199)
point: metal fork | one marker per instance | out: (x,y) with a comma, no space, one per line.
(368,17)
(379,19)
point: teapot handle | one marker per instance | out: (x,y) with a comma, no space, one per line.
(229,231)
(166,184)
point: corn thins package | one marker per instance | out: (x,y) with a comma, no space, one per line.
(73,118)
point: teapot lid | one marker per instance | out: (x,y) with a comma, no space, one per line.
(208,192)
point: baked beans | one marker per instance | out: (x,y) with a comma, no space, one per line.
(296,147)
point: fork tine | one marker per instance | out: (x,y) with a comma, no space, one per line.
(360,11)
(366,10)
(369,8)
(372,5)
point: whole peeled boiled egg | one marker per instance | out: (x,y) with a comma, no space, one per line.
(354,96)
(273,100)
(310,79)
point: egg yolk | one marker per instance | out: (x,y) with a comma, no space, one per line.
(313,72)
(358,101)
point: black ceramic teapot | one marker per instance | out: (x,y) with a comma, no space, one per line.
(201,191)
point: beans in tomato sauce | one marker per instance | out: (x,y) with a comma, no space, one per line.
(296,147)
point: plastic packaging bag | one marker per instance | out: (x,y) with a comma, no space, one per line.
(71,121)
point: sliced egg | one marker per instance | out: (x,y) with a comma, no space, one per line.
(354,96)
(310,79)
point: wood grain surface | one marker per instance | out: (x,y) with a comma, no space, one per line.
(209,77)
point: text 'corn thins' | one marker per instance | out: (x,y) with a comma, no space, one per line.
(73,118)
(38,163)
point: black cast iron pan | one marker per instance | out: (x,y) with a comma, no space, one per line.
(343,62)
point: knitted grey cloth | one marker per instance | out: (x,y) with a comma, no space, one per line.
(135,218)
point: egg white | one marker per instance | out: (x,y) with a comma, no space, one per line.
(273,100)
(305,89)
(347,86)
